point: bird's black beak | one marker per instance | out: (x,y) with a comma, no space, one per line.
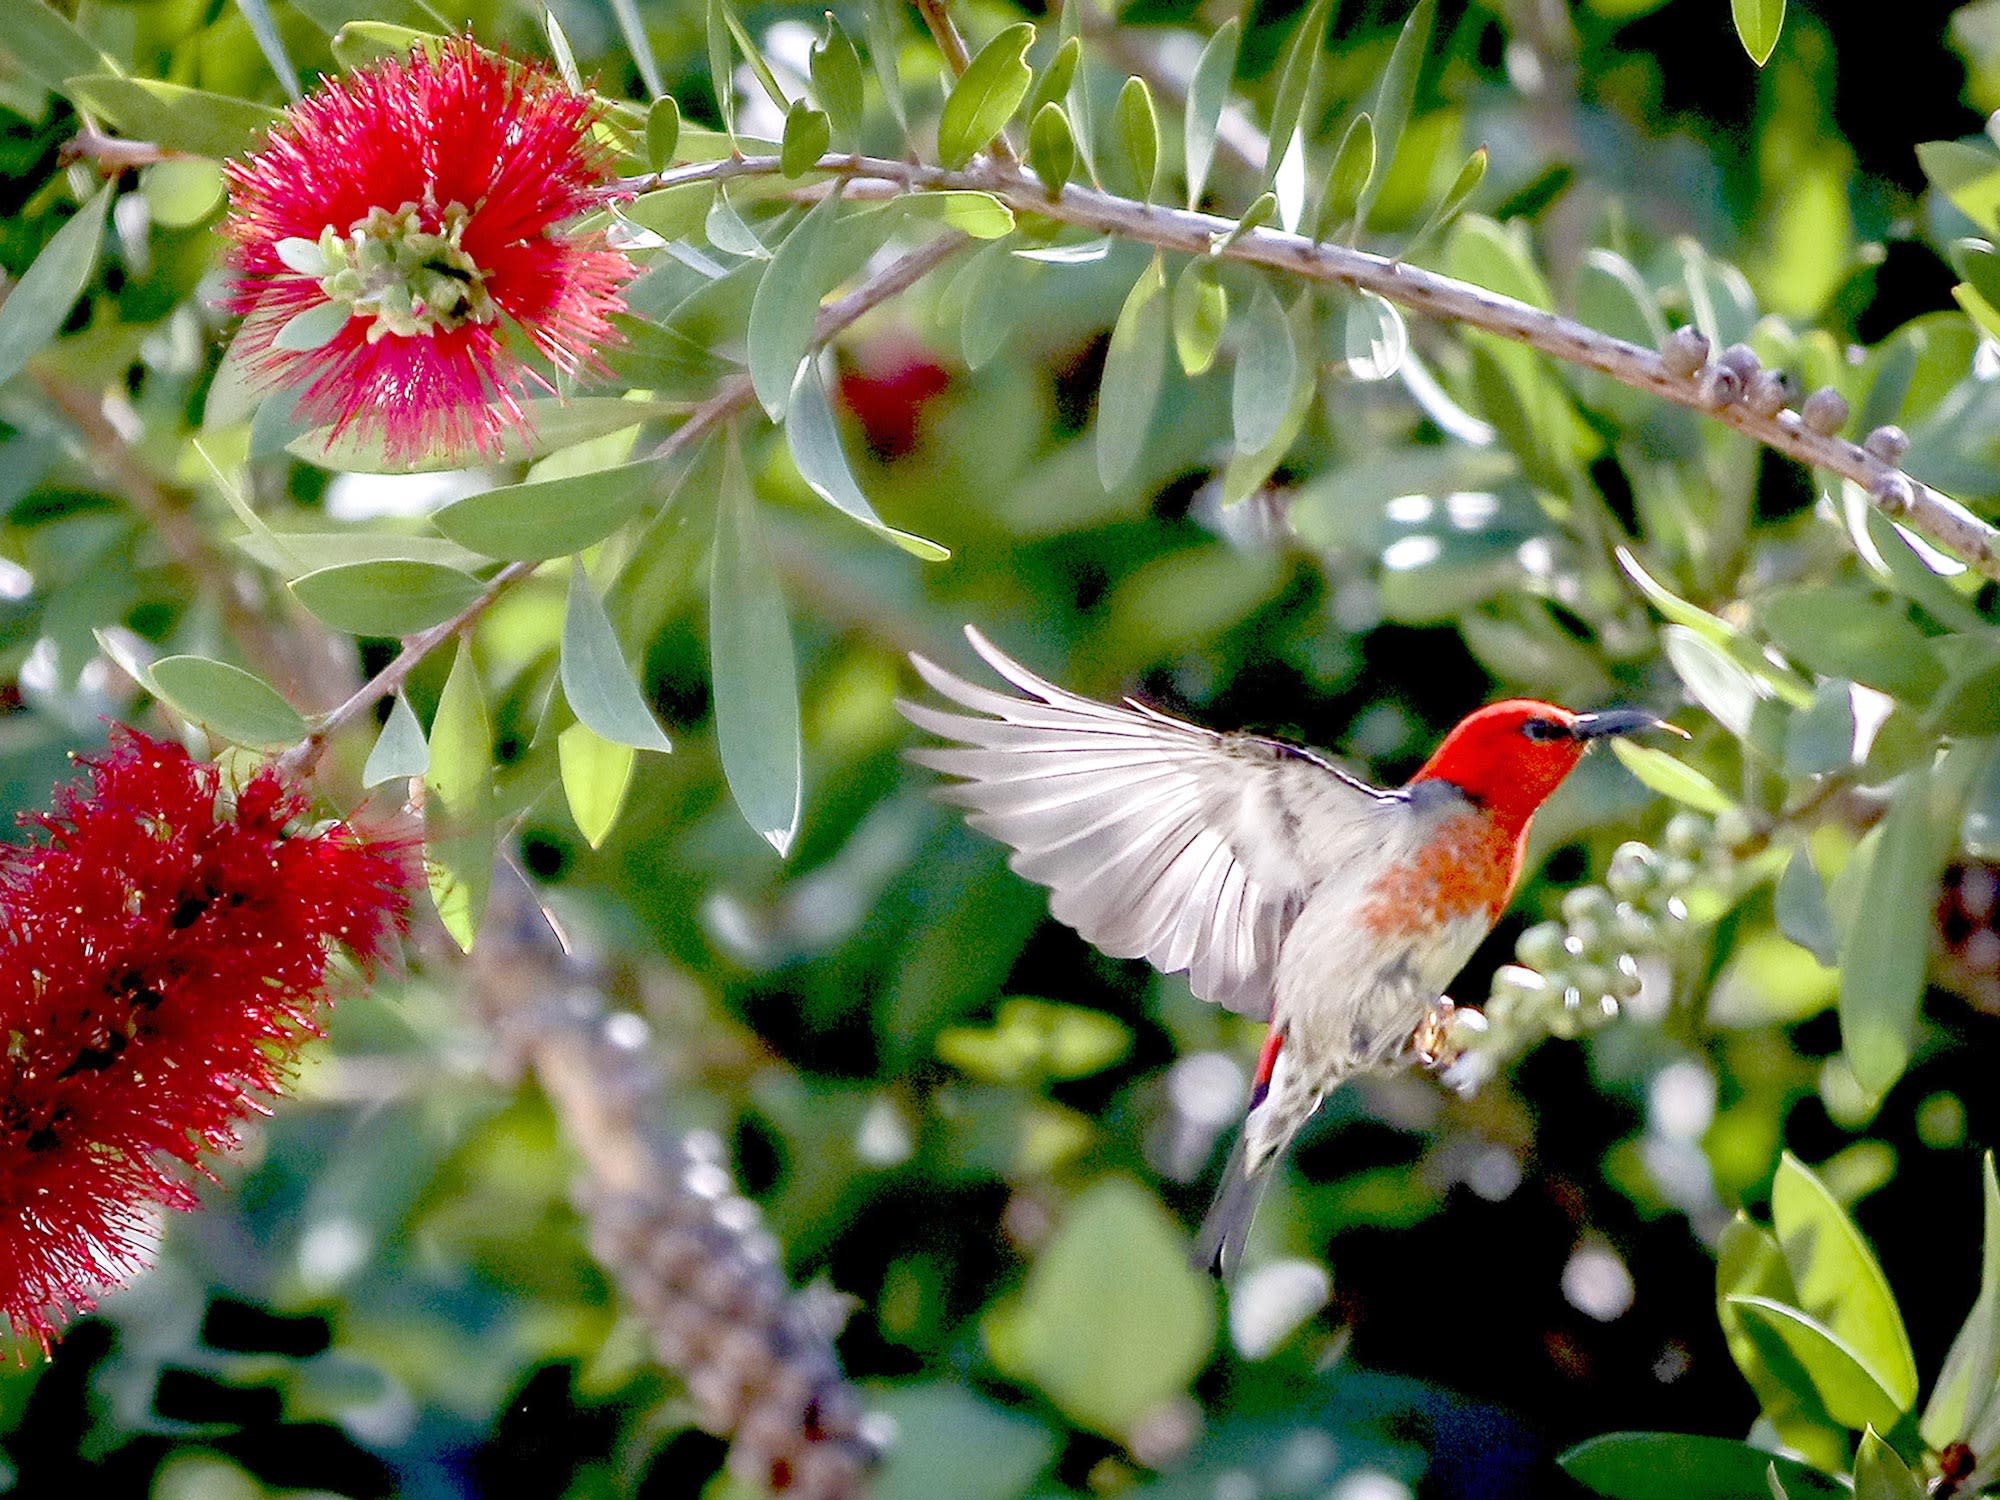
(1617,721)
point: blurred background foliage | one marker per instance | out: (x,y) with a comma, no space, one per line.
(950,1108)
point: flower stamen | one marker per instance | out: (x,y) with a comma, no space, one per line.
(410,281)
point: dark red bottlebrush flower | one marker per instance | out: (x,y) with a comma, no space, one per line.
(164,955)
(887,388)
(401,225)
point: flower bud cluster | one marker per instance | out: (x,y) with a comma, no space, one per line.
(1575,972)
(1737,376)
(691,1257)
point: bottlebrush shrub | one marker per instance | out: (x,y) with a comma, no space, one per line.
(165,954)
(400,239)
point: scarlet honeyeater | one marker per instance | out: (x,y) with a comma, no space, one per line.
(1286,889)
(404,238)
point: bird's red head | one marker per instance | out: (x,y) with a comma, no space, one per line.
(1508,756)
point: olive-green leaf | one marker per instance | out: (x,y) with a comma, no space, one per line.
(1685,1466)
(48,47)
(1208,92)
(595,775)
(228,701)
(1394,99)
(632,27)
(1353,165)
(551,517)
(814,437)
(597,682)
(1295,79)
(1849,632)
(35,310)
(1131,162)
(1134,367)
(753,55)
(1454,200)
(169,114)
(296,553)
(808,133)
(389,598)
(721,71)
(986,96)
(756,682)
(399,751)
(1671,777)
(1969,176)
(836,79)
(1852,1394)
(663,132)
(1758,23)
(787,304)
(1053,85)
(1051,147)
(1200,314)
(460,832)
(1967,1380)
(1879,1471)
(1839,1281)
(1266,366)
(884,50)
(980,215)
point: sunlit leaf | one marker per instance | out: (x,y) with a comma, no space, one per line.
(1852,1394)
(460,836)
(986,96)
(1051,147)
(1684,1466)
(595,775)
(1671,777)
(1879,1473)
(1200,314)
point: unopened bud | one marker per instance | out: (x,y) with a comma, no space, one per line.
(1541,946)
(1588,903)
(1894,493)
(1688,834)
(1635,931)
(1635,870)
(1733,828)
(1888,443)
(1742,359)
(1685,351)
(1768,392)
(1625,980)
(1825,411)
(1721,386)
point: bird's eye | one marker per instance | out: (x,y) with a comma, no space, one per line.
(1544,729)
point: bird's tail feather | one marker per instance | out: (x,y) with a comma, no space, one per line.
(1218,1249)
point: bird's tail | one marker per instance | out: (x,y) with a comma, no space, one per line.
(1218,1249)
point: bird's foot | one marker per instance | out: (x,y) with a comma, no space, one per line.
(1432,1041)
(1444,1041)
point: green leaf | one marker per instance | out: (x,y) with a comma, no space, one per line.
(1969,176)
(633,28)
(1671,777)
(1613,298)
(1053,86)
(49,48)
(181,192)
(808,134)
(721,71)
(1295,78)
(1683,1466)
(1353,166)
(595,775)
(296,553)
(1208,92)
(753,55)
(1131,163)
(950,1441)
(1801,910)
(40,302)
(726,230)
(391,598)
(1849,632)
(167,114)
(399,751)
(1462,188)
(1852,1394)
(257,13)
(1246,471)
(597,681)
(561,51)
(884,48)
(980,215)
(1200,314)
(1266,367)
(1112,1322)
(1879,1473)
(1728,692)
(815,443)
(1758,23)
(314,328)
(552,517)
(460,833)
(1134,366)
(1051,147)
(358,43)
(755,678)
(228,702)
(836,79)
(1971,1371)
(1374,337)
(1821,739)
(1838,1279)
(986,96)
(663,132)
(552,424)
(787,305)
(1749,1263)
(1260,212)
(1393,100)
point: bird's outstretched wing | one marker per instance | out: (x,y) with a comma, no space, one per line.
(1157,838)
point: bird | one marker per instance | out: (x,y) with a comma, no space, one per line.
(1284,887)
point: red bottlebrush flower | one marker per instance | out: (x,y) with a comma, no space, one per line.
(164,955)
(397,222)
(887,389)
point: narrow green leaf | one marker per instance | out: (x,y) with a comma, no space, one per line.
(1670,777)
(633,29)
(1266,366)
(1849,632)
(561,52)
(1758,23)
(1051,147)
(663,132)
(553,517)
(1852,1394)
(836,79)
(1375,337)
(1208,92)
(1200,314)
(754,56)
(815,443)
(1726,690)
(460,834)
(1462,188)
(596,773)
(1260,212)
(1245,472)
(1613,298)
(1353,166)
(1838,1278)
(228,702)
(1801,910)
(787,305)
(168,114)
(1295,77)
(1971,1371)
(808,134)
(265,29)
(36,309)
(1134,366)
(1718,631)
(293,554)
(1394,99)
(986,96)
(724,228)
(359,43)
(1052,87)
(1131,164)
(399,752)
(597,682)
(1879,1472)
(1077,105)
(721,70)
(396,598)
(755,677)
(1748,1263)
(885,50)
(49,48)
(1683,1466)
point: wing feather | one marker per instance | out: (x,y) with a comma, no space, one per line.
(1156,838)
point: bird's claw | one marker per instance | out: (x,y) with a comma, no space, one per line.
(1432,1041)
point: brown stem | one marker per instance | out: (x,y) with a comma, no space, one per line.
(112,154)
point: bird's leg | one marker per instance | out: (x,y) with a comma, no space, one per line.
(1435,1041)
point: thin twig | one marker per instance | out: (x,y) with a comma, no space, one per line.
(112,154)
(1900,496)
(944,31)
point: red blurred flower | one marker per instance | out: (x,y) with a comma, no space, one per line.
(164,955)
(400,223)
(887,386)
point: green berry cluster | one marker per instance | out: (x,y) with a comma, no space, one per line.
(1576,972)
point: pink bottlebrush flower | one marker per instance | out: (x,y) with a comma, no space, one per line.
(400,224)
(164,955)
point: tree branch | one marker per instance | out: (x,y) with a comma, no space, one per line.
(1896,493)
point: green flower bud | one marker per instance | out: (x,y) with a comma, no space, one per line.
(1688,833)
(1625,980)
(1635,870)
(1587,903)
(1541,947)
(1635,931)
